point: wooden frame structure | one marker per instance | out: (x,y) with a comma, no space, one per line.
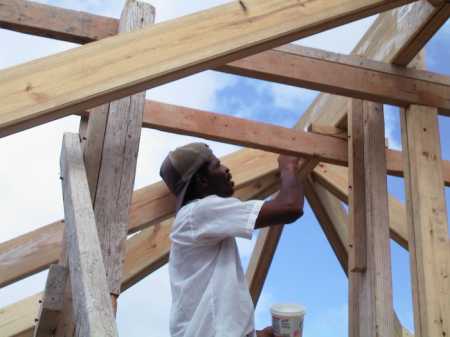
(245,38)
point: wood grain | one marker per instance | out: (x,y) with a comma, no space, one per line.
(65,83)
(52,302)
(92,306)
(371,310)
(385,41)
(345,75)
(427,213)
(113,159)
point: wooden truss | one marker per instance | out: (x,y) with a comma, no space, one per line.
(334,136)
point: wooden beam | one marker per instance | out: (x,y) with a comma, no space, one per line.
(56,86)
(417,42)
(227,129)
(92,306)
(371,310)
(427,213)
(54,22)
(390,36)
(346,75)
(114,157)
(35,251)
(335,179)
(52,302)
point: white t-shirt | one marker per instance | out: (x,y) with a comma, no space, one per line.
(210,296)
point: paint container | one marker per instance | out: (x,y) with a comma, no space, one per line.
(287,320)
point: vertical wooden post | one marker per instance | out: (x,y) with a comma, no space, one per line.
(370,296)
(426,211)
(112,143)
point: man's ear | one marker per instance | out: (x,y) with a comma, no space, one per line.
(201,181)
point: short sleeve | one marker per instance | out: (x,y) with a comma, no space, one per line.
(215,218)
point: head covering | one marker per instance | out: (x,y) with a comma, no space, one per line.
(180,166)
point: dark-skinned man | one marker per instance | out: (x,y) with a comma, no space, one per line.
(210,297)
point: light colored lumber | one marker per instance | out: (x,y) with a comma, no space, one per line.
(30,253)
(194,122)
(427,213)
(65,83)
(18,319)
(229,129)
(52,302)
(387,40)
(36,250)
(274,65)
(371,310)
(439,17)
(92,306)
(346,75)
(115,156)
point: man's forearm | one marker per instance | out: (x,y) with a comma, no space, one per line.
(291,190)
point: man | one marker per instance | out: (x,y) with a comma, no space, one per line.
(210,297)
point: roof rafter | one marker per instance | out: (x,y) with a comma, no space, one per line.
(65,83)
(395,37)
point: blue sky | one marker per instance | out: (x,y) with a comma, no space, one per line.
(304,269)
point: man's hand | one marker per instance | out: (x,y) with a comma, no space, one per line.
(267,332)
(288,162)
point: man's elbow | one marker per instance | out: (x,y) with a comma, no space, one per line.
(293,213)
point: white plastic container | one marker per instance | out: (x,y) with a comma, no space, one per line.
(287,320)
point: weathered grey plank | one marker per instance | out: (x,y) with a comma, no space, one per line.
(91,302)
(52,303)
(111,151)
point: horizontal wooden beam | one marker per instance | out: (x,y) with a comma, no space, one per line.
(289,64)
(35,251)
(55,22)
(308,69)
(244,132)
(228,129)
(351,76)
(65,83)
(392,38)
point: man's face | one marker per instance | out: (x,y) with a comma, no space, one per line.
(219,179)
